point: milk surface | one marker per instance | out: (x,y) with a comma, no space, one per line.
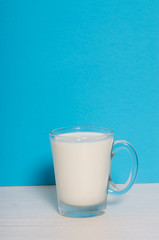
(82,165)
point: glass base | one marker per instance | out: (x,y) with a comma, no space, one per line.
(80,211)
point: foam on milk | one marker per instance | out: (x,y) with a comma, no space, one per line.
(82,164)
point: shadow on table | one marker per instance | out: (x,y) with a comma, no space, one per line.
(114,200)
(48,194)
(51,197)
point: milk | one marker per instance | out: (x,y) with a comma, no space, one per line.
(82,164)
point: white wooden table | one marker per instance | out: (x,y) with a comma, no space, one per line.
(31,213)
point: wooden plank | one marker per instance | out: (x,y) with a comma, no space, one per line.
(31,213)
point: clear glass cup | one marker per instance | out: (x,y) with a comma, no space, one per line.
(82,160)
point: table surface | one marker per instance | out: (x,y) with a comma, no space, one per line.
(31,213)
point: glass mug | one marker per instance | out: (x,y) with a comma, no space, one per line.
(82,160)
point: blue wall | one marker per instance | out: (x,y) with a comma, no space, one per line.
(69,63)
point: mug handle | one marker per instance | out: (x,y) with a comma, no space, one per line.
(123,188)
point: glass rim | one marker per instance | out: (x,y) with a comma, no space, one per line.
(55,133)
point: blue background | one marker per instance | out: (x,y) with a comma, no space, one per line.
(69,63)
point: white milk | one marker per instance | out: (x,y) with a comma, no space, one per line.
(82,167)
